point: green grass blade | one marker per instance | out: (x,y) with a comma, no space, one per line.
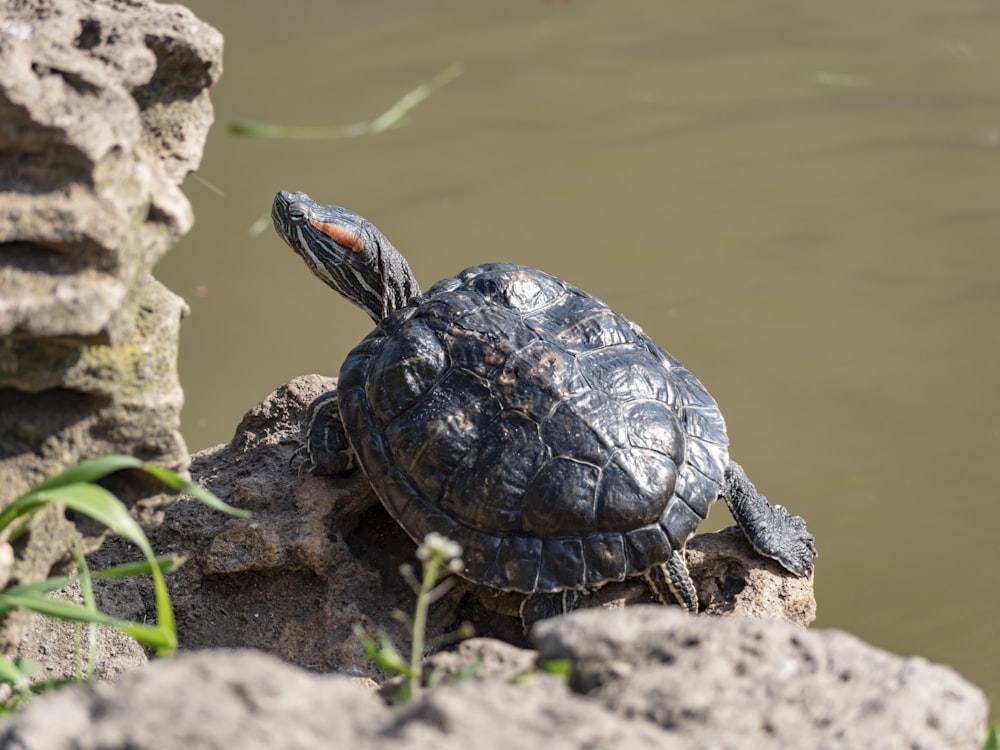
(75,490)
(391,118)
(160,637)
(394,115)
(298,132)
(176,482)
(166,563)
(87,592)
(39,587)
(104,507)
(558,667)
(89,471)
(382,653)
(60,608)
(261,225)
(99,504)
(157,637)
(23,506)
(10,672)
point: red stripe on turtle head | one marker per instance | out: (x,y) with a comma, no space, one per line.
(340,235)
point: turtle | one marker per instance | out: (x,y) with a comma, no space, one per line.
(526,420)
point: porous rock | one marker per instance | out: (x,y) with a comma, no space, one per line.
(245,699)
(103,111)
(642,677)
(717,682)
(56,647)
(321,555)
(213,699)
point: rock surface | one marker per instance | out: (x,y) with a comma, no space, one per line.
(103,111)
(642,677)
(52,644)
(762,685)
(321,554)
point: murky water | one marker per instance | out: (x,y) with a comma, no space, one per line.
(798,200)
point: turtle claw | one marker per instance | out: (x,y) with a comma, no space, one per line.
(301,455)
(786,539)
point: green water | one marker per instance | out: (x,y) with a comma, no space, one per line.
(798,200)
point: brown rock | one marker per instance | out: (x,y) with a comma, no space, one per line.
(735,581)
(288,579)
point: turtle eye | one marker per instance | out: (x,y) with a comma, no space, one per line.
(297,213)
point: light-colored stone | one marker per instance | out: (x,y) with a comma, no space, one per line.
(643,677)
(223,699)
(103,111)
(718,682)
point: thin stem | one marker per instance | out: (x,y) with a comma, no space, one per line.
(430,567)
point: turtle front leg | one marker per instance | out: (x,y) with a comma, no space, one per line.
(771,529)
(326,441)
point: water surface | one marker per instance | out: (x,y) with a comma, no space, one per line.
(798,200)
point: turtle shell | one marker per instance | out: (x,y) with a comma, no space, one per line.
(538,428)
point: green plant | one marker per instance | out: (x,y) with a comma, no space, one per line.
(439,558)
(991,739)
(391,118)
(75,489)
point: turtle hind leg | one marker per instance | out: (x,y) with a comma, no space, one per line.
(326,441)
(771,529)
(537,607)
(671,583)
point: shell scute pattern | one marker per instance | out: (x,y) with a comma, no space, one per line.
(533,425)
(605,558)
(653,425)
(653,477)
(516,288)
(644,546)
(404,369)
(561,553)
(629,370)
(518,562)
(573,426)
(680,521)
(430,440)
(487,491)
(535,378)
(582,330)
(561,499)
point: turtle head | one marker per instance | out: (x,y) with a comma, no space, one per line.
(347,252)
